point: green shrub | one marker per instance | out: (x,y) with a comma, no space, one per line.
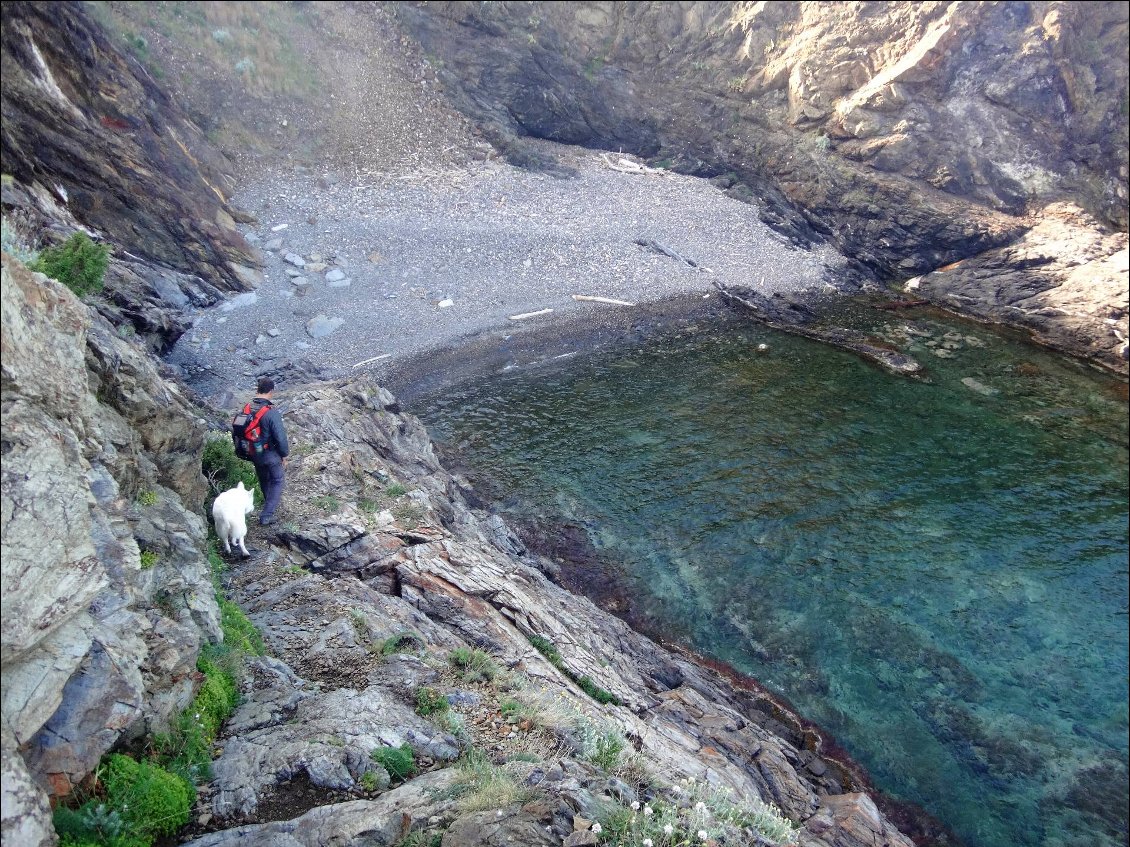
(473,665)
(400,762)
(187,749)
(546,648)
(147,800)
(216,562)
(396,490)
(147,498)
(78,263)
(421,838)
(367,505)
(225,470)
(149,559)
(429,702)
(595,691)
(93,824)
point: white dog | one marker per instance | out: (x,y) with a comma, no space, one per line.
(230,513)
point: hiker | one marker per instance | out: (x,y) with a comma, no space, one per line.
(261,439)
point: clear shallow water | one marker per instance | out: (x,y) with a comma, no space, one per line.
(935,573)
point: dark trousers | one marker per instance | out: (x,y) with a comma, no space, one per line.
(272,479)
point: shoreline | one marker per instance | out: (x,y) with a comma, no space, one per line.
(587,572)
(382,268)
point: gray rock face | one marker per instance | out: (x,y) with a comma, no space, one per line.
(895,135)
(281,734)
(1063,280)
(449,581)
(115,154)
(379,821)
(89,424)
(27,815)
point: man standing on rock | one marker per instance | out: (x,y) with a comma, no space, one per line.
(270,462)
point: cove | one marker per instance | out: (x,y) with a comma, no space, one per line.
(934,570)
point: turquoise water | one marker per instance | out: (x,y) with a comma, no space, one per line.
(935,572)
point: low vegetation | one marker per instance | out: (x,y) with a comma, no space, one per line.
(141,802)
(697,813)
(473,665)
(430,702)
(480,784)
(78,263)
(547,649)
(224,470)
(400,762)
(402,642)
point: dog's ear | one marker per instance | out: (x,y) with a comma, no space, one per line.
(240,486)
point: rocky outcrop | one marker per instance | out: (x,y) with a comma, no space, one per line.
(1064,280)
(101,464)
(909,137)
(91,141)
(378,575)
(352,568)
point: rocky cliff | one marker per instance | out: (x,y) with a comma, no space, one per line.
(378,547)
(909,136)
(891,131)
(107,594)
(90,140)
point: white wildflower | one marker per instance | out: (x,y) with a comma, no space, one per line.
(635,805)
(647,842)
(668,829)
(596,827)
(699,806)
(648,811)
(702,835)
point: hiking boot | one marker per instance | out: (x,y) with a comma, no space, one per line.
(267,520)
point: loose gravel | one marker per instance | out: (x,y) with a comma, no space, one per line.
(392,266)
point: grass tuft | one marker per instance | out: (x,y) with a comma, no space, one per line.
(400,762)
(473,665)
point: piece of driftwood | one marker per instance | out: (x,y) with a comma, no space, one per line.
(627,166)
(374,359)
(587,299)
(664,250)
(525,315)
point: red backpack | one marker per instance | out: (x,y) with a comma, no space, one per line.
(247,432)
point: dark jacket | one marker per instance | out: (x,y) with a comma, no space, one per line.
(273,430)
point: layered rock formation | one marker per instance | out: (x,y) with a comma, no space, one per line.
(352,567)
(90,140)
(101,462)
(377,541)
(910,136)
